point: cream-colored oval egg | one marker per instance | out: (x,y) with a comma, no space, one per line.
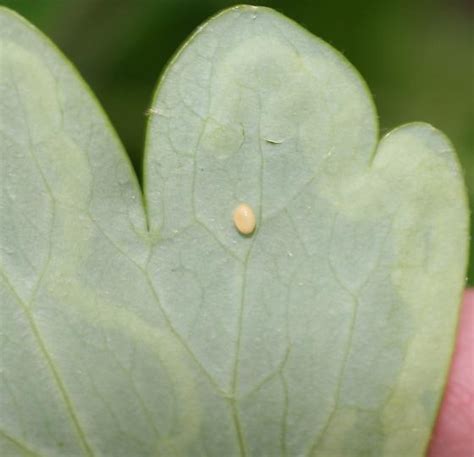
(244,219)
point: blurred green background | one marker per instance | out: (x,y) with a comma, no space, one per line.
(417,56)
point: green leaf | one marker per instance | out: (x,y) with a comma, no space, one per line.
(148,326)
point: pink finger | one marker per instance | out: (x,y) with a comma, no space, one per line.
(454,431)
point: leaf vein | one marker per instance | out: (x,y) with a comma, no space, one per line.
(53,369)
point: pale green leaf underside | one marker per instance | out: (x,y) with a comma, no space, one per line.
(163,332)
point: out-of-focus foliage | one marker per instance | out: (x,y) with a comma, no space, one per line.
(417,56)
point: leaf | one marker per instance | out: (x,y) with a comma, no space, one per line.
(147,325)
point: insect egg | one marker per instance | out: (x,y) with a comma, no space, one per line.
(244,219)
